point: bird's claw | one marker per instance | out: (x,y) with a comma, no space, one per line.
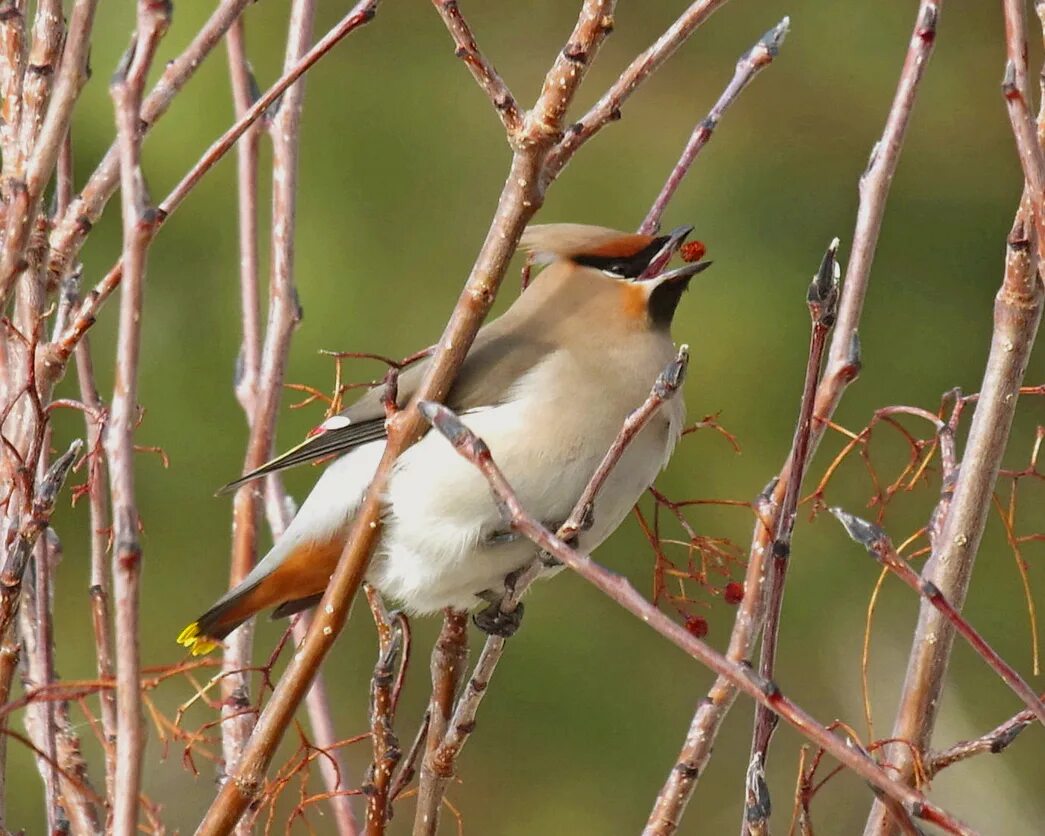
(493,621)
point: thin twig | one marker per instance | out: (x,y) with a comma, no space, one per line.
(99,584)
(995,741)
(822,300)
(843,367)
(56,355)
(18,556)
(748,66)
(608,108)
(482,70)
(878,544)
(620,590)
(138,229)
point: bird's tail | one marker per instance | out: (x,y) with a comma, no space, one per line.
(289,579)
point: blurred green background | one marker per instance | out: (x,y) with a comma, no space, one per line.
(402,161)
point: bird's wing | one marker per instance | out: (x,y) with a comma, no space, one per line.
(498,358)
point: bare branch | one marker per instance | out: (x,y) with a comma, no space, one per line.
(620,590)
(138,228)
(748,66)
(843,367)
(995,741)
(71,76)
(878,544)
(481,69)
(520,198)
(449,658)
(608,108)
(822,300)
(18,557)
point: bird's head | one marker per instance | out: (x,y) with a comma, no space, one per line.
(643,291)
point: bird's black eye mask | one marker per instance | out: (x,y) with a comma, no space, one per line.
(626,267)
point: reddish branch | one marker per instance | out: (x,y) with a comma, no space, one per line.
(441,761)
(748,66)
(58,353)
(138,228)
(449,658)
(878,544)
(842,368)
(995,741)
(392,639)
(235,685)
(620,590)
(822,300)
(484,73)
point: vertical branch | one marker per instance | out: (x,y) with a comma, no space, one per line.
(139,220)
(99,577)
(385,745)
(29,190)
(448,663)
(1017,313)
(822,300)
(10,652)
(237,722)
(842,368)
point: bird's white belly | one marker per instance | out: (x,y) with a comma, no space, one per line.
(439,546)
(436,550)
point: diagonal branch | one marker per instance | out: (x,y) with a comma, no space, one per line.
(748,66)
(608,108)
(842,368)
(481,69)
(520,198)
(620,590)
(881,548)
(440,762)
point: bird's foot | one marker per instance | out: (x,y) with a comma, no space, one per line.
(493,621)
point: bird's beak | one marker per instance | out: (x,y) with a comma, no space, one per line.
(683,273)
(675,240)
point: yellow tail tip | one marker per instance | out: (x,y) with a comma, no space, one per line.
(199,645)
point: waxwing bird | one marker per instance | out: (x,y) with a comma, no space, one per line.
(547,385)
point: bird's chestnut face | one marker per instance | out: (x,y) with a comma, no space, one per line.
(626,265)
